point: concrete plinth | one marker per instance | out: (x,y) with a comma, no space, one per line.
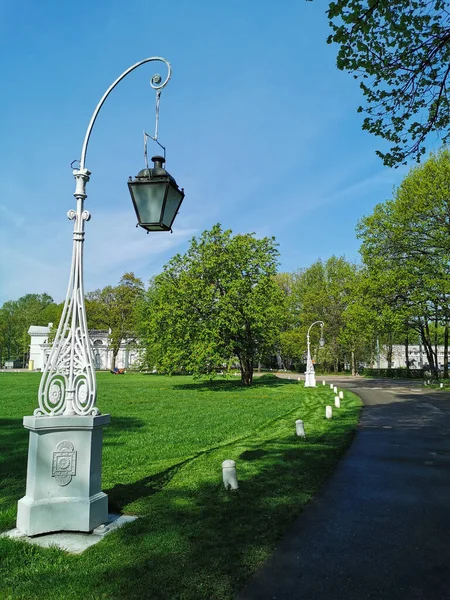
(310,379)
(64,475)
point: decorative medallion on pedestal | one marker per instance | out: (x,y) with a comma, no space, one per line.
(64,463)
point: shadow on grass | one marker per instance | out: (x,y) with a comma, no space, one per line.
(206,541)
(225,385)
(13,446)
(121,495)
(196,540)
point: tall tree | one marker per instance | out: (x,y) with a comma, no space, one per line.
(399,50)
(116,308)
(406,247)
(323,292)
(216,303)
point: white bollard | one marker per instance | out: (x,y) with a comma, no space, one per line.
(300,428)
(328,412)
(441,385)
(331,386)
(298,378)
(323,382)
(341,395)
(337,402)
(335,389)
(229,474)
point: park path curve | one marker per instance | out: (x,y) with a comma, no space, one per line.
(380,526)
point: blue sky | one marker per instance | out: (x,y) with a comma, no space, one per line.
(260,127)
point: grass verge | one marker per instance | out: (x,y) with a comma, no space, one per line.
(162,461)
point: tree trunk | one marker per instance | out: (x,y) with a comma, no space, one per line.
(446,351)
(115,352)
(436,344)
(389,355)
(246,370)
(353,363)
(428,345)
(407,353)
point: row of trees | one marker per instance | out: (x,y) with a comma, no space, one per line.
(223,303)
(223,299)
(115,308)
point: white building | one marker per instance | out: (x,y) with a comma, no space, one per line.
(40,349)
(416,354)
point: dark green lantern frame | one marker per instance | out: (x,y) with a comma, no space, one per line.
(156,197)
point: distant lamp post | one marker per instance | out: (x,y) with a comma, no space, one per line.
(310,377)
(156,197)
(63,490)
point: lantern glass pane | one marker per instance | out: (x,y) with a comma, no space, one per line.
(174,198)
(148,199)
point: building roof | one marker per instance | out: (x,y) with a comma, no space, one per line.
(39,330)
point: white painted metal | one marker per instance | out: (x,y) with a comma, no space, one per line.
(337,402)
(310,377)
(68,384)
(328,412)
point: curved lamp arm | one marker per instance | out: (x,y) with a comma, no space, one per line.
(155,82)
(315,323)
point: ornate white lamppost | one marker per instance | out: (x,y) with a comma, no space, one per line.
(310,377)
(63,490)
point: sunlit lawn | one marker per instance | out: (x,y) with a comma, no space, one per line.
(162,458)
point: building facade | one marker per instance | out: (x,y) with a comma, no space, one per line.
(416,354)
(40,349)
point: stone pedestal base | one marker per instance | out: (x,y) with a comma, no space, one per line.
(64,475)
(310,379)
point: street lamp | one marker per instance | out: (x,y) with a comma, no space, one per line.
(65,450)
(310,378)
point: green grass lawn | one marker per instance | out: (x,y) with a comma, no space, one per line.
(162,458)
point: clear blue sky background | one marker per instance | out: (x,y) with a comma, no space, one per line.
(261,130)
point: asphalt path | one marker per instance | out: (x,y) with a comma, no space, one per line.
(380,526)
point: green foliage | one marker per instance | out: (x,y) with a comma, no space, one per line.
(117,309)
(324,291)
(398,372)
(217,302)
(400,52)
(16,317)
(162,461)
(406,250)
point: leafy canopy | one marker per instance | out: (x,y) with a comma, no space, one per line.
(216,303)
(116,308)
(406,248)
(399,50)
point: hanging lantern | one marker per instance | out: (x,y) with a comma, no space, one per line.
(156,197)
